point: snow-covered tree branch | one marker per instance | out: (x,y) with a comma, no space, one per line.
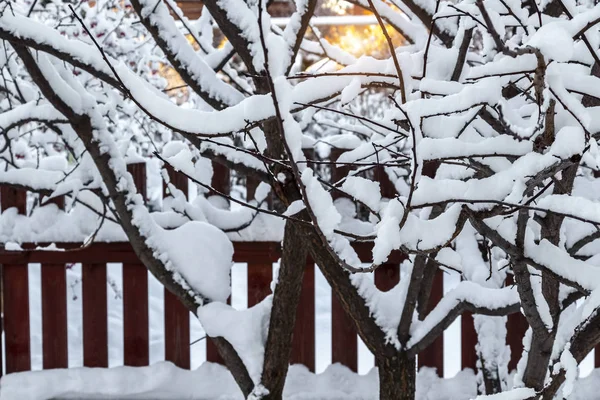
(484,124)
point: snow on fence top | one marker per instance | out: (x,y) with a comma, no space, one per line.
(53,216)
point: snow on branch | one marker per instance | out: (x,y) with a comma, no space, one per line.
(467,296)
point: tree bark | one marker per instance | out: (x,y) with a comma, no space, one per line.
(397,377)
(283,313)
(543,339)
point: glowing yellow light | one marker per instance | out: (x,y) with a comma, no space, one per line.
(362,40)
(337,6)
(222,43)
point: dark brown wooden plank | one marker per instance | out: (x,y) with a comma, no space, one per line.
(344,341)
(177,335)
(138,172)
(16,317)
(12,197)
(135,294)
(212,354)
(310,154)
(95,315)
(260,276)
(364,251)
(469,341)
(177,179)
(433,355)
(54,316)
(516,326)
(177,317)
(256,252)
(430,168)
(387,276)
(58,201)
(135,315)
(388,190)
(251,185)
(338,172)
(303,344)
(15,295)
(221,179)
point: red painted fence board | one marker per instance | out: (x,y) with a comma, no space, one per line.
(212,354)
(177,316)
(221,179)
(15,287)
(177,331)
(516,326)
(135,295)
(54,316)
(220,182)
(303,344)
(468,341)
(385,184)
(260,276)
(11,197)
(16,317)
(344,342)
(387,276)
(16,323)
(433,355)
(95,315)
(135,315)
(344,348)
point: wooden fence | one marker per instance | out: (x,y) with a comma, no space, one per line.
(259,257)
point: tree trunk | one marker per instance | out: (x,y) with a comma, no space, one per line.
(542,341)
(283,313)
(397,377)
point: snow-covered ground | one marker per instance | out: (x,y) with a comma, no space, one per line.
(212,381)
(208,381)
